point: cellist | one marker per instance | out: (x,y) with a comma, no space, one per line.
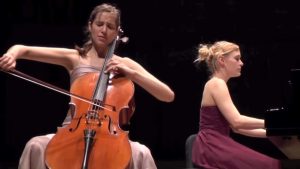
(102,28)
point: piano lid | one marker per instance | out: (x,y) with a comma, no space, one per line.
(294,89)
(283,124)
(285,120)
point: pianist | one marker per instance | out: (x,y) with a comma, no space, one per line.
(213,147)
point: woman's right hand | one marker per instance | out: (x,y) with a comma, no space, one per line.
(7,61)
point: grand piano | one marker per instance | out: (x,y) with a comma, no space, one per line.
(283,124)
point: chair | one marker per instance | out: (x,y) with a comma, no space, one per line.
(188,151)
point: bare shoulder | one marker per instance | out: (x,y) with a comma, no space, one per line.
(207,96)
(217,87)
(215,84)
(73,57)
(215,90)
(69,58)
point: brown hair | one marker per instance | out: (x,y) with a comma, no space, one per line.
(98,9)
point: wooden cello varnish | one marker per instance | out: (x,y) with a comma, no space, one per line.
(110,147)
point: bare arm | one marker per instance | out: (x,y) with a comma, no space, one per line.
(142,77)
(252,132)
(221,96)
(59,56)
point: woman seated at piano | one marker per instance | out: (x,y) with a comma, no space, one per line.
(213,148)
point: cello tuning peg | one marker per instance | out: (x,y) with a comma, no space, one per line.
(124,39)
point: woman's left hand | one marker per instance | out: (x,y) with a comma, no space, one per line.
(117,65)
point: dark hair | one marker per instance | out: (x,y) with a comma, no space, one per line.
(98,9)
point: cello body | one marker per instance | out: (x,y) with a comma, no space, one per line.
(110,148)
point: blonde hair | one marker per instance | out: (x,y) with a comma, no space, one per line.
(211,52)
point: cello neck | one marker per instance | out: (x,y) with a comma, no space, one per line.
(102,82)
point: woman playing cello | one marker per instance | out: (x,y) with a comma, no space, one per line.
(103,27)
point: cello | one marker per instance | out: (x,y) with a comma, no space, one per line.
(94,139)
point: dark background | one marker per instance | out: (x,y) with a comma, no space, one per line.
(163,36)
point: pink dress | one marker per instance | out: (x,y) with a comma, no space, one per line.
(214,149)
